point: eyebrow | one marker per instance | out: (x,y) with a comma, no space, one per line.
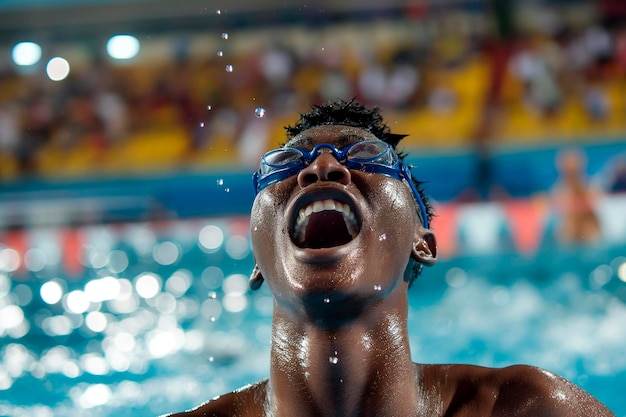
(342,140)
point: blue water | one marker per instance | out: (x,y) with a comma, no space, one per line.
(172,324)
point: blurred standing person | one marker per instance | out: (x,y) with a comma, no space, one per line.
(499,49)
(574,200)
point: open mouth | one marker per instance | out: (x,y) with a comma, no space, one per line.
(325,224)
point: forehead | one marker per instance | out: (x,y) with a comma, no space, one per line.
(337,135)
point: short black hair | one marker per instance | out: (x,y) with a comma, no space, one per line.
(352,113)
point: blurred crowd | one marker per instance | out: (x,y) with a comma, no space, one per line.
(448,81)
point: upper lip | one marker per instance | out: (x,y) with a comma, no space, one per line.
(325,192)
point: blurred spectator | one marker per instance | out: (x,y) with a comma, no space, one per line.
(574,200)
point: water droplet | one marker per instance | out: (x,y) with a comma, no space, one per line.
(212,319)
(220,182)
(382,237)
(256,228)
(377,287)
(211,359)
(212,294)
(224,35)
(201,124)
(333,359)
(218,11)
(259,112)
(220,53)
(229,68)
(209,107)
(326,300)
(227,190)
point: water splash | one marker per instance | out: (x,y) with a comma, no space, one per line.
(259,112)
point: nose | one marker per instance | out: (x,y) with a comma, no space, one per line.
(324,168)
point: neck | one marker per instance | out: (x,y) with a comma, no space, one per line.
(362,368)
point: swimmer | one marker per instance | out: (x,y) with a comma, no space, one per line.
(340,231)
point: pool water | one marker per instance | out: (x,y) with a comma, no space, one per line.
(146,319)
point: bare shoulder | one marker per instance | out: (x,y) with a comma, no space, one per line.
(244,402)
(543,391)
(515,391)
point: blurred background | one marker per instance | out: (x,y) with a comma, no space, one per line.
(129,132)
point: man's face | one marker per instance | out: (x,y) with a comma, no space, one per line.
(330,232)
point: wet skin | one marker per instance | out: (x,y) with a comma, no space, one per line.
(340,344)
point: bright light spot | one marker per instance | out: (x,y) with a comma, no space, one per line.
(237,247)
(148,285)
(211,309)
(234,302)
(166,253)
(11,316)
(94,364)
(57,325)
(117,261)
(179,283)
(35,259)
(58,69)
(9,260)
(621,272)
(51,292)
(6,381)
(5,285)
(211,238)
(54,359)
(123,46)
(77,302)
(212,277)
(165,303)
(95,395)
(194,341)
(96,321)
(236,284)
(71,369)
(124,342)
(26,53)
(162,343)
(102,289)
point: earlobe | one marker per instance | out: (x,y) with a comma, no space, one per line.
(425,247)
(256,279)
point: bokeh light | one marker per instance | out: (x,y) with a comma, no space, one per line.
(123,47)
(26,53)
(58,69)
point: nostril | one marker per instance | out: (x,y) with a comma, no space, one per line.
(337,176)
(309,178)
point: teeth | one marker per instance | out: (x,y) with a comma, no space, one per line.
(321,205)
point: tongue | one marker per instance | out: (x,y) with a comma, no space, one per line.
(326,229)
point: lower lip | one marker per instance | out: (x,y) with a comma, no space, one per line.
(323,255)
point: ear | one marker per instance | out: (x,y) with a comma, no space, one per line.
(256,278)
(424,246)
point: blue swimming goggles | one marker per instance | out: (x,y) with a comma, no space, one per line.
(373,156)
